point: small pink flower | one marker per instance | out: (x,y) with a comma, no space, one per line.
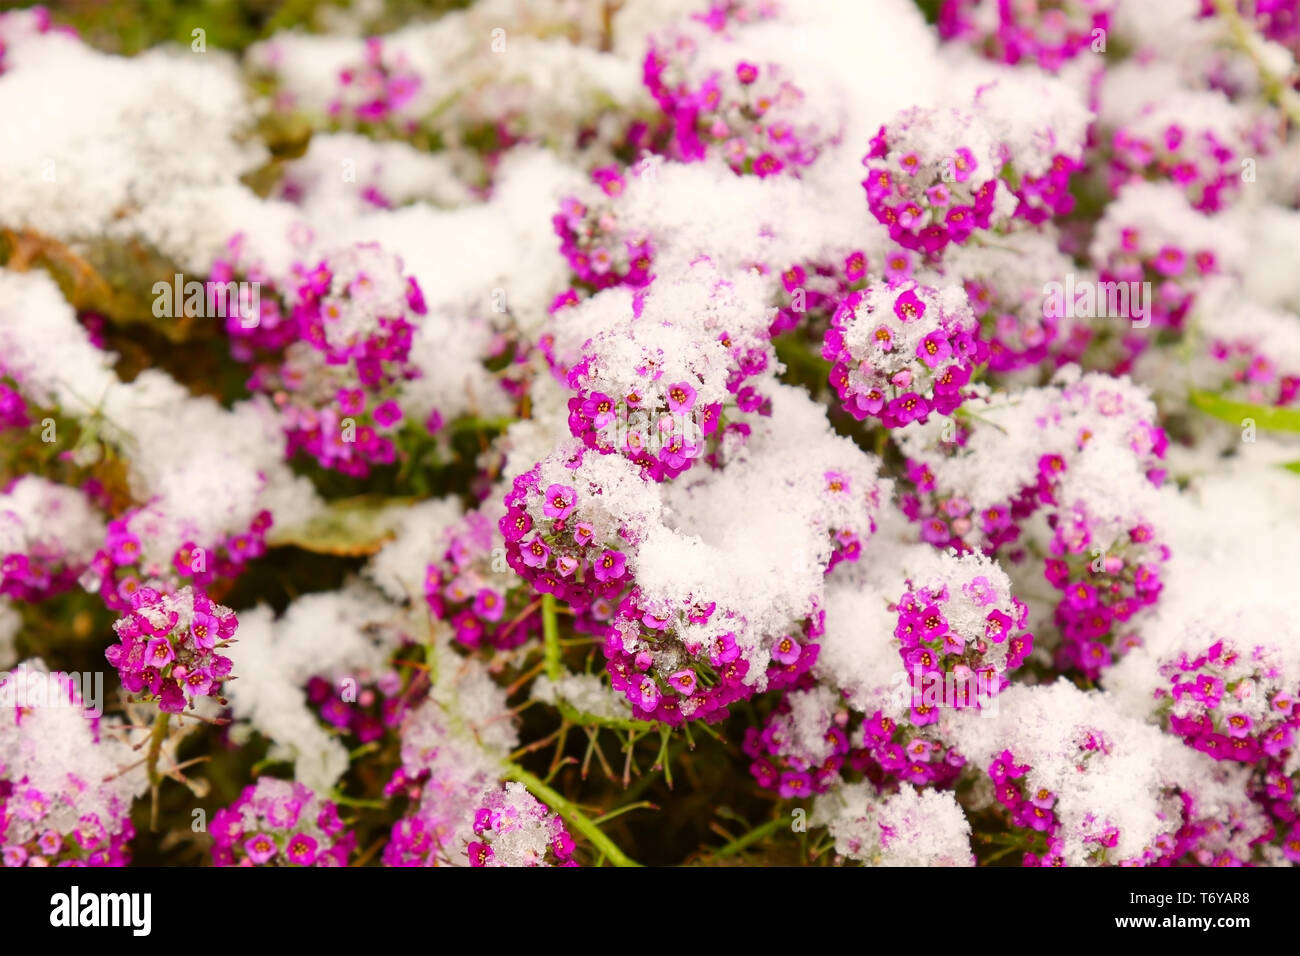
(646,693)
(723,650)
(908,307)
(301,849)
(489,605)
(33,805)
(794,785)
(159,653)
(198,681)
(387,414)
(535,553)
(204,629)
(767,165)
(934,349)
(1170,261)
(560,501)
(610,566)
(787,650)
(681,398)
(683,681)
(260,848)
(1239,725)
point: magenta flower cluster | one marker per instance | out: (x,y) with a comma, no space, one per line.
(278,823)
(364,709)
(500,817)
(376,90)
(902,352)
(1032,810)
(1261,377)
(751,115)
(119,569)
(1048,35)
(336,384)
(548,543)
(1101,591)
(600,253)
(975,663)
(484,604)
(168,647)
(30,834)
(1212,701)
(927,200)
(715,677)
(1199,160)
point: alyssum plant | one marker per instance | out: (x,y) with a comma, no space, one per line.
(678,406)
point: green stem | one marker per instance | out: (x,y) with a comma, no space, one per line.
(753,836)
(1001,853)
(572,815)
(553,664)
(358,802)
(151,764)
(155,747)
(639,805)
(1277,88)
(551,638)
(583,719)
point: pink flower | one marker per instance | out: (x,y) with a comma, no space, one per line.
(683,681)
(125,549)
(1239,725)
(535,553)
(515,524)
(908,408)
(560,501)
(387,414)
(159,653)
(260,848)
(204,629)
(198,681)
(351,401)
(33,805)
(794,785)
(787,650)
(767,165)
(171,699)
(610,566)
(489,605)
(934,349)
(301,849)
(563,844)
(723,650)
(1291,845)
(645,693)
(979,590)
(1170,261)
(681,398)
(599,407)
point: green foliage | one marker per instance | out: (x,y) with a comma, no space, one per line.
(1267,417)
(132,26)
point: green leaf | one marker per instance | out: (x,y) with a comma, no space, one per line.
(349,527)
(1269,417)
(1292,466)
